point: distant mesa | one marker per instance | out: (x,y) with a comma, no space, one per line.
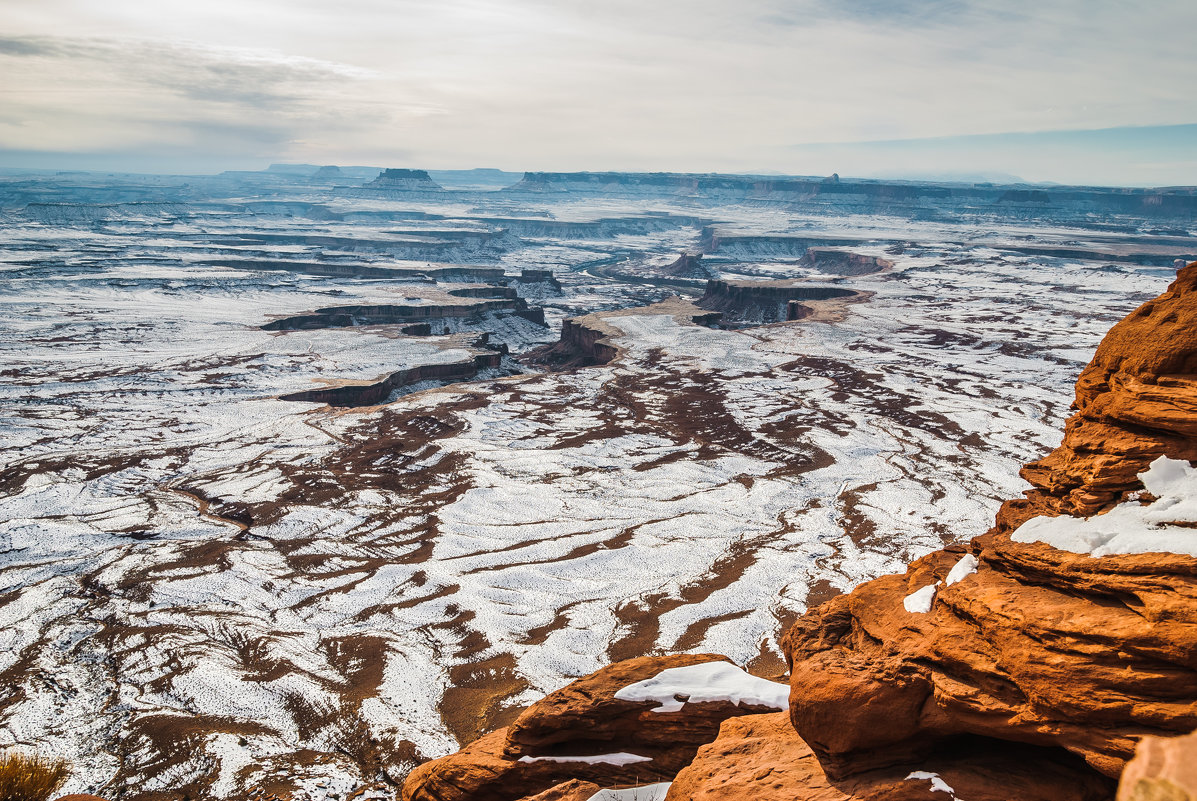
(590,339)
(757,302)
(918,199)
(328,171)
(409,180)
(842,262)
(688,265)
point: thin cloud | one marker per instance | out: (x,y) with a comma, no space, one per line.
(674,84)
(193,70)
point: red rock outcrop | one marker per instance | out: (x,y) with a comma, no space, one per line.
(572,790)
(761,757)
(1162,770)
(1136,400)
(546,744)
(1052,649)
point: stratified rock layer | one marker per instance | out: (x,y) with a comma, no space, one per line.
(1039,646)
(761,757)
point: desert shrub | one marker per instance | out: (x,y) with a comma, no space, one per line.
(30,778)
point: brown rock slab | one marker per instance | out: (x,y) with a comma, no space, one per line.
(572,790)
(761,757)
(1164,769)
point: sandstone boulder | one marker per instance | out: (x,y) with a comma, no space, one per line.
(1164,769)
(572,790)
(761,757)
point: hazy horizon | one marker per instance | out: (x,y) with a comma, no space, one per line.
(1068,91)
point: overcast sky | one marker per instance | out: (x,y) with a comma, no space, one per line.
(688,85)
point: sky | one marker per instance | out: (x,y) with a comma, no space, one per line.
(1071,91)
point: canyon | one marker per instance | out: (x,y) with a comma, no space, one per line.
(309,484)
(1029,671)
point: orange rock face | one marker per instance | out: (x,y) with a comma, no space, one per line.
(1052,649)
(1136,400)
(761,752)
(1162,770)
(572,790)
(1039,645)
(555,739)
(762,758)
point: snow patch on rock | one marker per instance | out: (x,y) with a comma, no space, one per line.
(1130,527)
(938,785)
(647,792)
(919,601)
(705,683)
(621,758)
(965,567)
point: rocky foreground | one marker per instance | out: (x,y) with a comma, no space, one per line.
(1027,664)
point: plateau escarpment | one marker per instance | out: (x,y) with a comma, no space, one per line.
(391,314)
(769,301)
(403,179)
(905,198)
(842,262)
(370,393)
(1020,666)
(590,339)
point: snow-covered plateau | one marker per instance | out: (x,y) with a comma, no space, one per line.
(208,588)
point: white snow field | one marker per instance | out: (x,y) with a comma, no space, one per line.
(205,588)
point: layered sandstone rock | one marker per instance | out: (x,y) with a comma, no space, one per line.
(1162,770)
(761,757)
(582,732)
(1039,646)
(1135,401)
(572,790)
(1049,648)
